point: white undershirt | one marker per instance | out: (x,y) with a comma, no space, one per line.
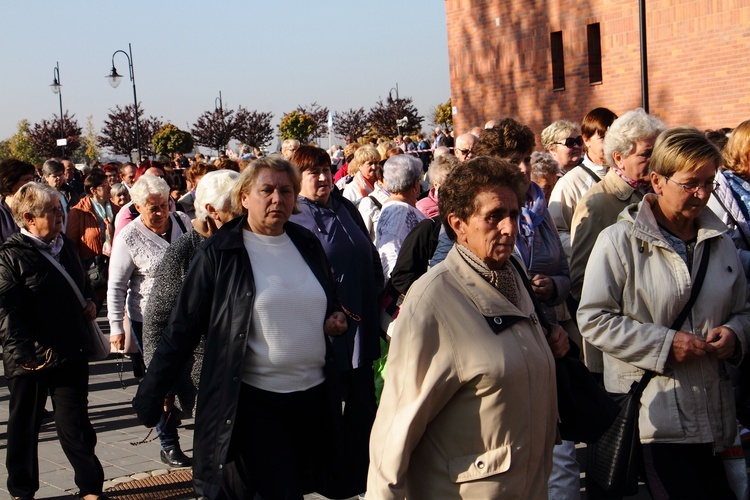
(286,347)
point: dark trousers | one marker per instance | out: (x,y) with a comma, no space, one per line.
(68,388)
(685,471)
(279,439)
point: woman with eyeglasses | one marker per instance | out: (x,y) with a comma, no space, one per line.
(627,148)
(641,273)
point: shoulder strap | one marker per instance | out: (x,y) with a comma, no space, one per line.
(590,172)
(527,284)
(178,219)
(65,274)
(734,219)
(376,202)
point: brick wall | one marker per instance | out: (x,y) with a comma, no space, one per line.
(499,54)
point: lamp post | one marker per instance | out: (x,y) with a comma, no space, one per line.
(114,80)
(56,89)
(219,106)
(390,92)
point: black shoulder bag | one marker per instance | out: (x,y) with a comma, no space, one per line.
(615,458)
(584,408)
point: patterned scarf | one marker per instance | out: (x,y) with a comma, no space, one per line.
(502,279)
(740,191)
(532,214)
(644,187)
(54,247)
(106,222)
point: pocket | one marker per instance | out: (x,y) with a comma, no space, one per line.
(660,410)
(472,467)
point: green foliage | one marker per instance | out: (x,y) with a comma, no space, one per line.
(170,140)
(5,150)
(20,145)
(296,125)
(443,115)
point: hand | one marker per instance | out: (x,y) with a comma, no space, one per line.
(118,342)
(723,340)
(89,312)
(543,287)
(335,324)
(687,347)
(557,338)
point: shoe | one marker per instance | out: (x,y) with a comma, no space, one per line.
(175,458)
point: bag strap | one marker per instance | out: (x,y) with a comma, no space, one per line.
(380,205)
(590,172)
(178,219)
(65,274)
(527,284)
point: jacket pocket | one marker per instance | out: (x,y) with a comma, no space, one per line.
(660,411)
(471,467)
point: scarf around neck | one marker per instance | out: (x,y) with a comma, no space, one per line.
(532,215)
(54,247)
(502,279)
(643,186)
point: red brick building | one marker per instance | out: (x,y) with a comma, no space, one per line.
(542,60)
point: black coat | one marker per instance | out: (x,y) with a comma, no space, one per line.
(216,300)
(38,309)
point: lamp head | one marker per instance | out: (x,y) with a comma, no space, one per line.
(55,86)
(113,78)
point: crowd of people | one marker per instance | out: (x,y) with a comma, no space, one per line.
(259,294)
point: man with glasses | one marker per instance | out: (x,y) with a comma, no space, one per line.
(54,174)
(464,149)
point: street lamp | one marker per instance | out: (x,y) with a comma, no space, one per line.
(114,80)
(219,107)
(55,87)
(390,92)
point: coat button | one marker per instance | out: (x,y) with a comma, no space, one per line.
(498,320)
(248,294)
(235,379)
(479,464)
(241,335)
(229,422)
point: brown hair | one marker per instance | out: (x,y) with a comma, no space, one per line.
(597,121)
(309,157)
(737,150)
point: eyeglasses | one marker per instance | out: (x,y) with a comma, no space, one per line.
(694,187)
(570,142)
(465,152)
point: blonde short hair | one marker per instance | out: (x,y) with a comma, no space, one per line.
(248,177)
(736,152)
(682,149)
(32,198)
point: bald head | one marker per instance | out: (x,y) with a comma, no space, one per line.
(464,149)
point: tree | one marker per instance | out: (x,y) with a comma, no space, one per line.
(44,136)
(353,122)
(253,127)
(20,145)
(89,147)
(296,125)
(118,133)
(443,115)
(385,117)
(214,129)
(5,150)
(319,115)
(170,140)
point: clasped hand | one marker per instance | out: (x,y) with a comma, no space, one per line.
(720,342)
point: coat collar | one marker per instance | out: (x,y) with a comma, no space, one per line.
(621,189)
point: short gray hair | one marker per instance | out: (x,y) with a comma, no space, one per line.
(119,188)
(215,189)
(52,166)
(145,186)
(32,198)
(555,131)
(543,164)
(400,172)
(441,167)
(627,130)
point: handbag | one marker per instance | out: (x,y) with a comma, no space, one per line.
(96,344)
(615,458)
(585,409)
(97,268)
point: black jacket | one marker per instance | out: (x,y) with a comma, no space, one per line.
(38,309)
(216,300)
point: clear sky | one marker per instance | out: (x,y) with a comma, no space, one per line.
(265,56)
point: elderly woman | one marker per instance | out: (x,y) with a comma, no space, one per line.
(642,269)
(13,174)
(370,206)
(91,227)
(213,208)
(356,266)
(120,194)
(261,292)
(399,215)
(731,200)
(135,257)
(437,172)
(363,183)
(562,139)
(469,409)
(42,326)
(544,170)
